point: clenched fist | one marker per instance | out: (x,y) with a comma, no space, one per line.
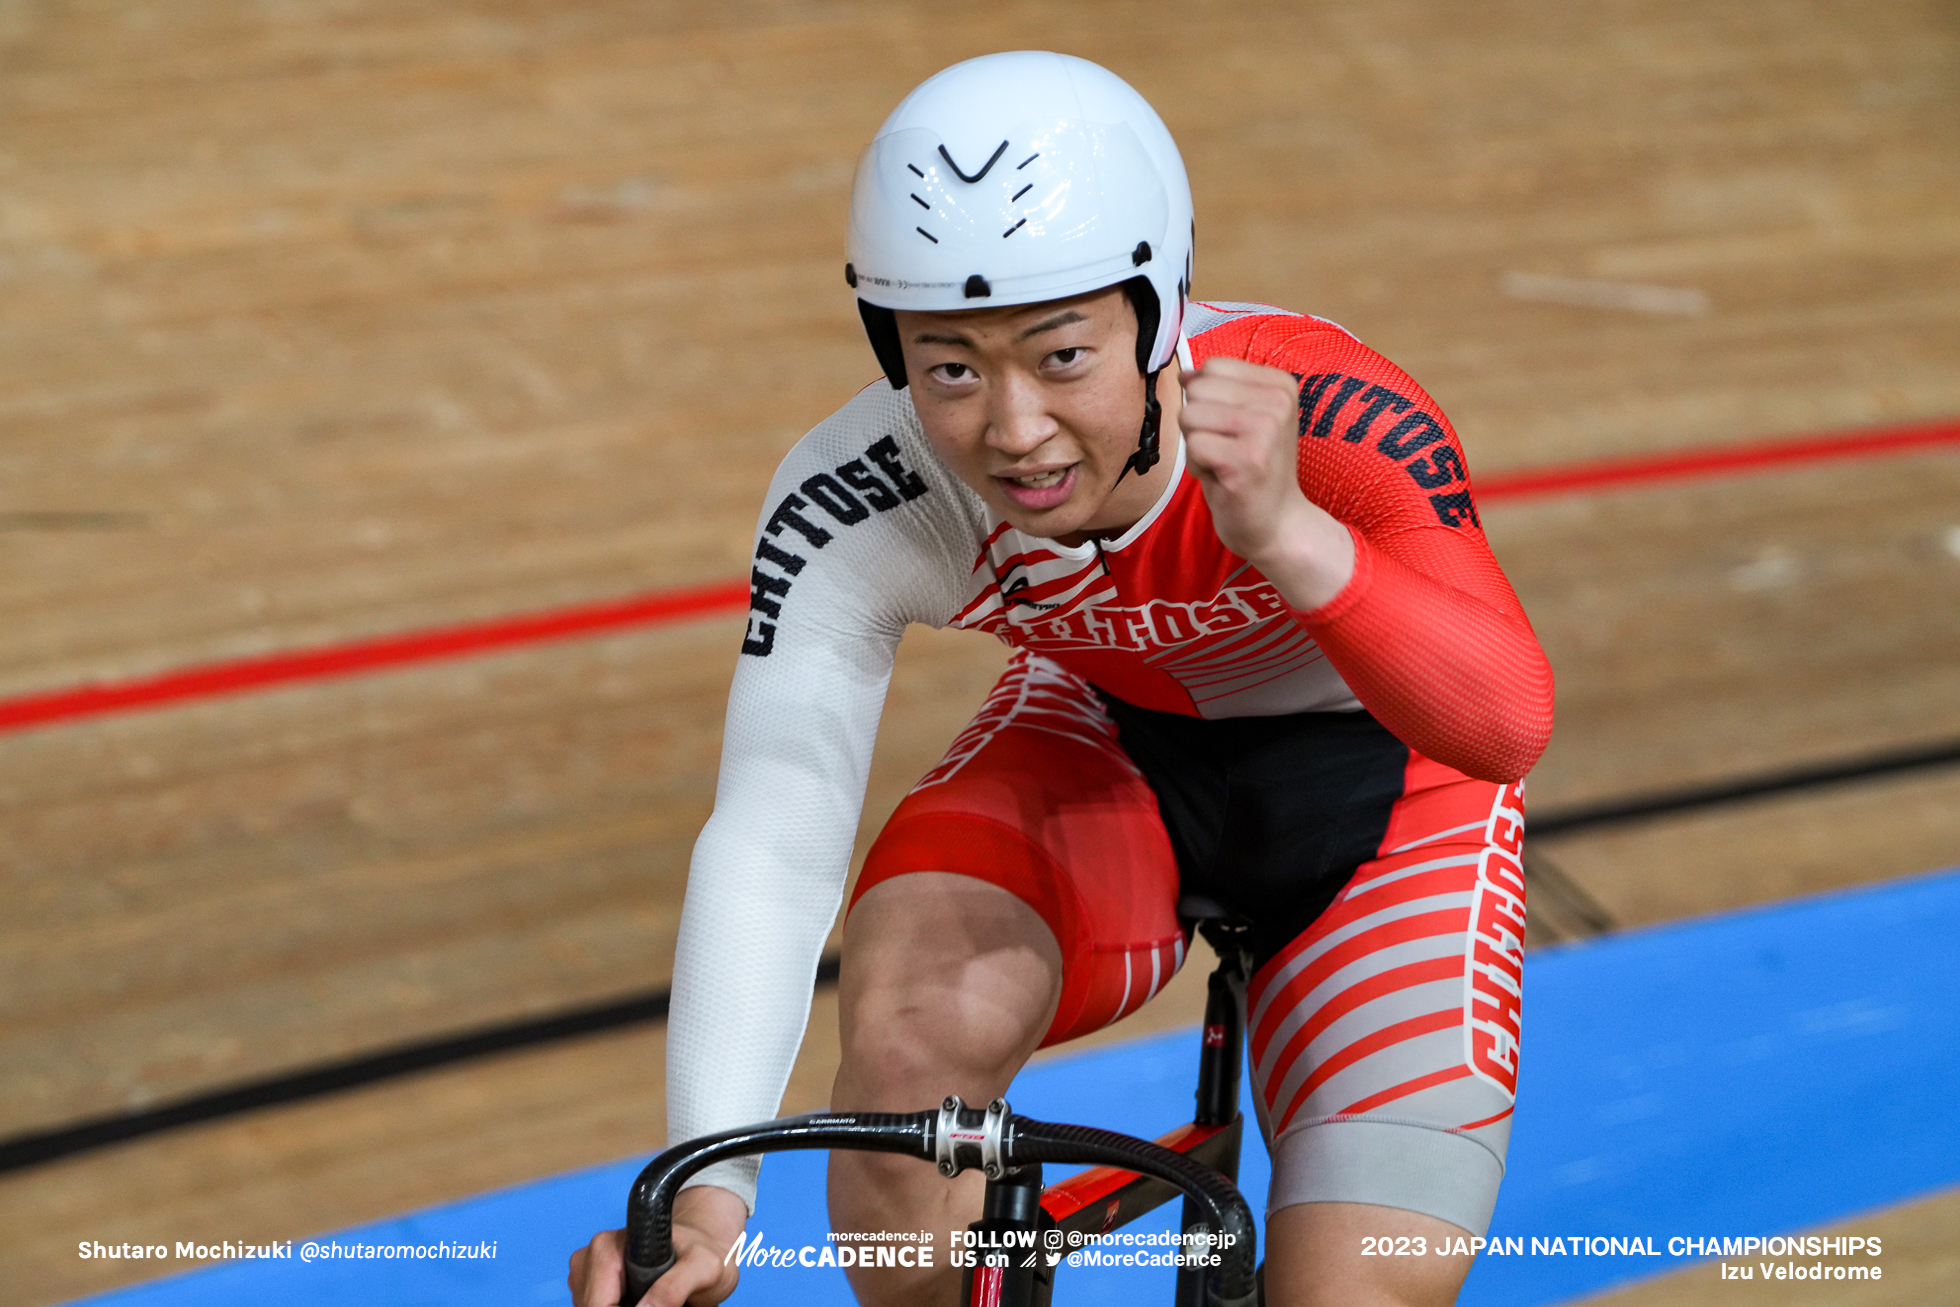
(1240,425)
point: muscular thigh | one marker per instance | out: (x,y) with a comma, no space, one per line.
(1037,799)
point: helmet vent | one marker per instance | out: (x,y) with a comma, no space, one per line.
(1025,162)
(1016,227)
(985,168)
(928,235)
(1023,191)
(921,203)
(1138,256)
(977,287)
(915,169)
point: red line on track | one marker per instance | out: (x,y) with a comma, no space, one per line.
(664,606)
(359,656)
(1753,457)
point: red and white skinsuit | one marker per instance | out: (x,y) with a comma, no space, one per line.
(1384,1033)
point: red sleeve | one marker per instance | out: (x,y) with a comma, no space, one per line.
(1423,639)
(1428,633)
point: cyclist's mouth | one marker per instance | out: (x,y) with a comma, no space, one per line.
(1039,490)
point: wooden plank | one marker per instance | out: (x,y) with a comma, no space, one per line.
(328,322)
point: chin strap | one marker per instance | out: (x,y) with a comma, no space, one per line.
(1148,451)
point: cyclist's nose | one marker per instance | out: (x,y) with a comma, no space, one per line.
(1018,420)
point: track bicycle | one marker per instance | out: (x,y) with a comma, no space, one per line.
(1128,1176)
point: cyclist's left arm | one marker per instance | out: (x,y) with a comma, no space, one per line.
(1423,626)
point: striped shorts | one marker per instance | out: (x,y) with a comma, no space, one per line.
(1384,889)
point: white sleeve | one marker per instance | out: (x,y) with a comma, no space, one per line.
(863,532)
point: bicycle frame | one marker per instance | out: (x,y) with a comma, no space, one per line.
(1107,1198)
(1129,1176)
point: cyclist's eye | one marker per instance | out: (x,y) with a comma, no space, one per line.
(1063,358)
(953,374)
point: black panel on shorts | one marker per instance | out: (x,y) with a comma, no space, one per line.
(1268,816)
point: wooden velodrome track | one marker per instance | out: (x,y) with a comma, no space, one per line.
(331,321)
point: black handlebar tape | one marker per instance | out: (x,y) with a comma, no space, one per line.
(650,1208)
(1234,1283)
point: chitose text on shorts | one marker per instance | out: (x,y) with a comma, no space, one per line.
(1385,889)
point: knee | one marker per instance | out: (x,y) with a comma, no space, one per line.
(912,1040)
(948,985)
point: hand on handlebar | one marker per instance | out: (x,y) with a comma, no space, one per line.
(707,1222)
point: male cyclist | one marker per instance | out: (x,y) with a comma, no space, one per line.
(1263,656)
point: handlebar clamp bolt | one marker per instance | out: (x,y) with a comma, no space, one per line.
(992,1130)
(942,1141)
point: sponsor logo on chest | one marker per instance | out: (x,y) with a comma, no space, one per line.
(1158,624)
(1039,600)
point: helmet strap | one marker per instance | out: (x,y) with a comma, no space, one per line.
(881,325)
(1148,449)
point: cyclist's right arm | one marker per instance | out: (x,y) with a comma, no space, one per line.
(863,531)
(707,1221)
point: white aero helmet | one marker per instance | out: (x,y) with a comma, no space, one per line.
(1017,178)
